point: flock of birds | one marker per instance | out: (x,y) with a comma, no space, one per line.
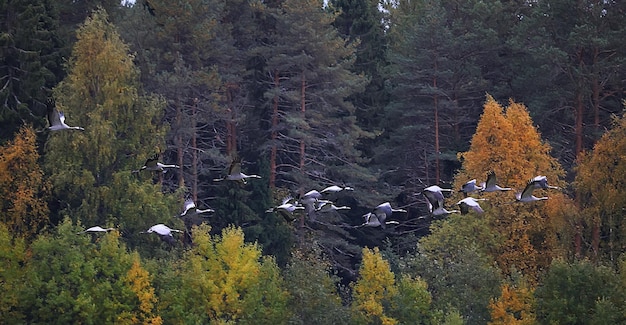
(313,202)
(435,197)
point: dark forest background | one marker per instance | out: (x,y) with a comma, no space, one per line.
(385,97)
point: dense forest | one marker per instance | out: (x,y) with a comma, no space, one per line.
(235,157)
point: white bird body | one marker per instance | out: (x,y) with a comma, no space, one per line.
(190,208)
(235,174)
(491,186)
(527,194)
(335,189)
(286,209)
(434,199)
(371,220)
(57,121)
(470,187)
(164,232)
(328,206)
(382,212)
(96,229)
(542,182)
(470,203)
(152,164)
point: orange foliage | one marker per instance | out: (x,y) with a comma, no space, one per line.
(23,190)
(514,307)
(507,142)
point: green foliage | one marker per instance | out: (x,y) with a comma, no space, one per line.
(30,63)
(12,257)
(313,292)
(74,279)
(412,304)
(463,280)
(577,292)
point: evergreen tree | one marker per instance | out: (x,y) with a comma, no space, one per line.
(436,78)
(578,51)
(361,21)
(30,63)
(314,124)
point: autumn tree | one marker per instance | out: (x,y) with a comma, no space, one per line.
(227,280)
(600,176)
(507,142)
(374,290)
(91,170)
(23,188)
(139,281)
(515,306)
(378,298)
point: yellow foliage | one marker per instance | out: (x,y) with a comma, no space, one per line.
(139,281)
(600,181)
(226,273)
(23,190)
(376,285)
(513,307)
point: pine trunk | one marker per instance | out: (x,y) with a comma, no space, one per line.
(194,153)
(274,134)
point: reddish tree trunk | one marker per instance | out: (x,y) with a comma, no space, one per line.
(194,153)
(231,130)
(179,144)
(303,111)
(274,135)
(302,146)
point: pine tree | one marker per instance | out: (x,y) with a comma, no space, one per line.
(579,45)
(436,78)
(315,130)
(30,64)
